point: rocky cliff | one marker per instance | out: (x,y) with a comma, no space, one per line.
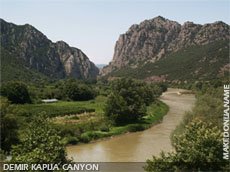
(36,52)
(154,39)
(76,63)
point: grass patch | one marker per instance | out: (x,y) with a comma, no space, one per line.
(156,112)
(63,108)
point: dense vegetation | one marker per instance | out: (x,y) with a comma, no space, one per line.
(68,90)
(14,69)
(197,148)
(198,139)
(128,100)
(190,64)
(78,91)
(78,116)
(40,144)
(16,92)
(95,126)
(9,125)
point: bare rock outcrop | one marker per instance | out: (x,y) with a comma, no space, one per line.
(153,39)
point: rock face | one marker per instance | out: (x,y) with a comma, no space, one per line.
(55,60)
(75,62)
(153,39)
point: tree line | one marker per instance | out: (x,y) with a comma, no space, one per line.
(18,92)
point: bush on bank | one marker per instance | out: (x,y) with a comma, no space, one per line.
(198,148)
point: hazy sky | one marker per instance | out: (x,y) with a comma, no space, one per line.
(95,25)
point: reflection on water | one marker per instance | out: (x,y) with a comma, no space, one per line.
(139,146)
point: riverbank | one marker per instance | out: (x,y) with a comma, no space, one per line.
(155,114)
(84,121)
(138,146)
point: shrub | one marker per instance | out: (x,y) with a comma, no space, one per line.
(40,144)
(16,92)
(136,127)
(72,140)
(85,138)
(104,128)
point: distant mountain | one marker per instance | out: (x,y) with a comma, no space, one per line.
(27,54)
(100,66)
(160,49)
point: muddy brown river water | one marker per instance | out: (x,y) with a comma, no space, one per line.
(139,146)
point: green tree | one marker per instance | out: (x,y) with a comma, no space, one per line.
(40,144)
(16,92)
(128,100)
(199,147)
(79,91)
(9,126)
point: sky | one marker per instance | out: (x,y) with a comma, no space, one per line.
(94,26)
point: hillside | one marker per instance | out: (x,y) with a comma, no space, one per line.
(27,54)
(160,49)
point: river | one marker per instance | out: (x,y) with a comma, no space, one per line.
(138,146)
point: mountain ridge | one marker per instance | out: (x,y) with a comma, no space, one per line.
(38,53)
(154,39)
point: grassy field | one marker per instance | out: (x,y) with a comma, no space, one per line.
(63,108)
(84,121)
